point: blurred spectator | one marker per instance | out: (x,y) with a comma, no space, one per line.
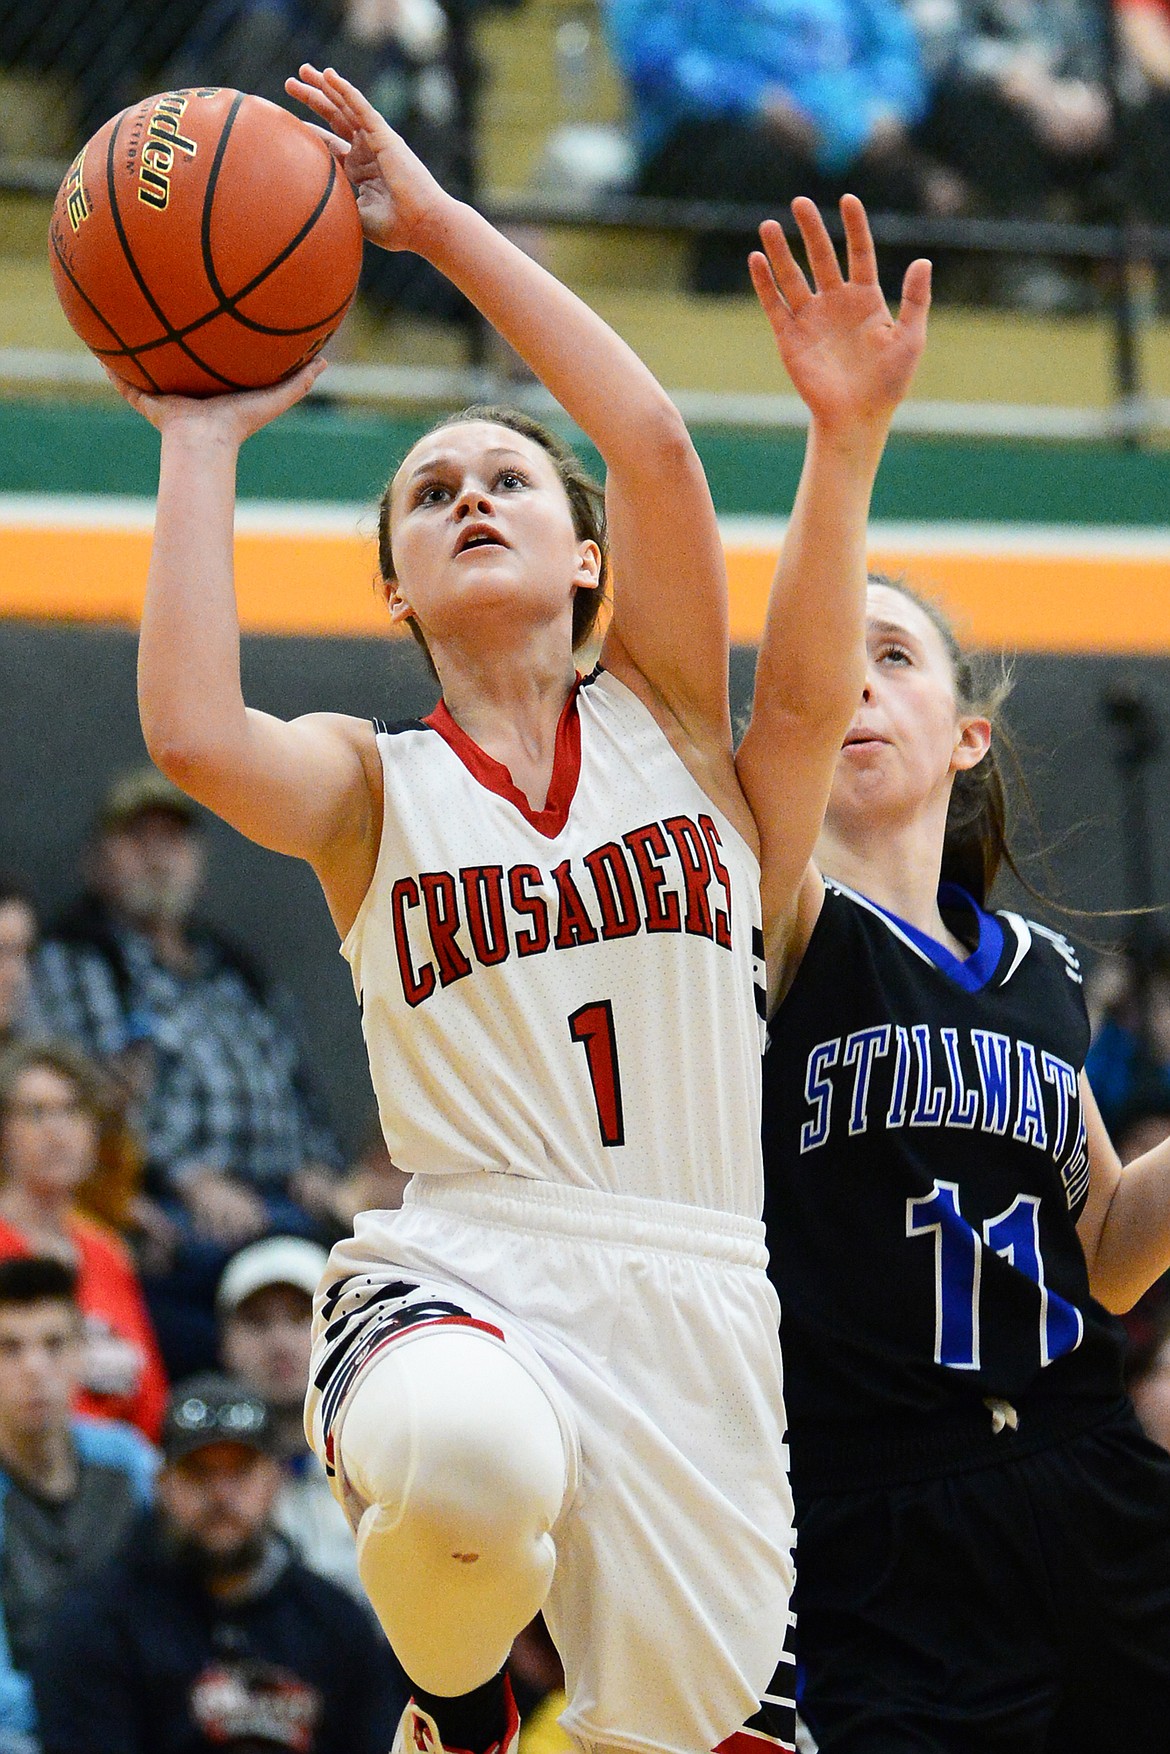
(265,1308)
(69,1486)
(400,52)
(111,51)
(743,103)
(538,1686)
(1144,27)
(1128,1064)
(205,1632)
(187,1021)
(373,1183)
(18,936)
(52,1105)
(1020,108)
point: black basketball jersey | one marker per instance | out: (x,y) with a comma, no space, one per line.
(925,1164)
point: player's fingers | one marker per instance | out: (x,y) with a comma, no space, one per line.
(862,257)
(818,245)
(290,390)
(783,264)
(354,102)
(338,147)
(320,101)
(767,291)
(915,307)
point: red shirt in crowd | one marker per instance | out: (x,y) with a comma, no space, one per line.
(124,1375)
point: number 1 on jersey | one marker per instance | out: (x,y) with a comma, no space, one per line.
(592,1026)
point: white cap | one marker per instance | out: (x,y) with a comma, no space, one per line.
(278,1260)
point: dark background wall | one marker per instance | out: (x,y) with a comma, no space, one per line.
(68,723)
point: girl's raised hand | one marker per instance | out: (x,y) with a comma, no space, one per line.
(847,356)
(234,416)
(397,197)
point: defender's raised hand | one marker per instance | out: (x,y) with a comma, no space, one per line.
(849,359)
(398,198)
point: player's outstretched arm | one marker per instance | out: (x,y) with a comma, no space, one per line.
(300,787)
(670,620)
(852,363)
(1125,1224)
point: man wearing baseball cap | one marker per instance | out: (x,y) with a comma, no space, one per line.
(130,972)
(205,1633)
(264,1308)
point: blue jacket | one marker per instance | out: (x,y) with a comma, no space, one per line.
(843,62)
(107,1444)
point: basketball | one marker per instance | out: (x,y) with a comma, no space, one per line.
(205,240)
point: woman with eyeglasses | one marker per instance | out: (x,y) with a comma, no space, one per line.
(52,1110)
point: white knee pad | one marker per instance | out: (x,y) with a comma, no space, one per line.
(458,1454)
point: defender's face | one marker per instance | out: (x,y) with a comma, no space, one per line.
(904,744)
(483,536)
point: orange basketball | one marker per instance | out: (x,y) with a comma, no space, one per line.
(204,241)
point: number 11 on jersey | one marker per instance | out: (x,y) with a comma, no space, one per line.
(592,1026)
(1013,1234)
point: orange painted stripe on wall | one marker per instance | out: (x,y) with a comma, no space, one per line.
(285,582)
(322,584)
(1050,602)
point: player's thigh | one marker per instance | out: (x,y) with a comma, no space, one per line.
(922,1621)
(1115,1542)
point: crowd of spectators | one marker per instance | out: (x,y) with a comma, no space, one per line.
(1017,108)
(1002,108)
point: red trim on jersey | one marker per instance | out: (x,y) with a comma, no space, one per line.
(495,776)
(752,1742)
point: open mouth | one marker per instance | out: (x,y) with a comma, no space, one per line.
(478,536)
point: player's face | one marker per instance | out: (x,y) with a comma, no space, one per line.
(483,538)
(908,738)
(48,1136)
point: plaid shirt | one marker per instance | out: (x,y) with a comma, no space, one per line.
(227,1086)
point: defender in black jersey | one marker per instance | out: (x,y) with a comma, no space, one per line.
(983,1531)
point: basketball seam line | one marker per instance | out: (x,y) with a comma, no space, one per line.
(101,352)
(229,301)
(171,333)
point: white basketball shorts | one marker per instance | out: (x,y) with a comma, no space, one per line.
(652,1328)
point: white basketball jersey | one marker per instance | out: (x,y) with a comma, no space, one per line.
(572,994)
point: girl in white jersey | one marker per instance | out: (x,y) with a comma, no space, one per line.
(553,1378)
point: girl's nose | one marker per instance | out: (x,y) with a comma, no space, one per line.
(473,499)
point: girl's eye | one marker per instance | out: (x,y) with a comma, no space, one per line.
(510,478)
(430,493)
(894,655)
